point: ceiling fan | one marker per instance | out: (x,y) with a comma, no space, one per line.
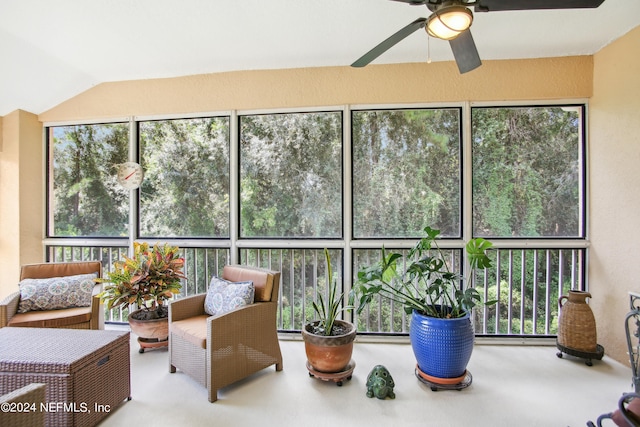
(450,20)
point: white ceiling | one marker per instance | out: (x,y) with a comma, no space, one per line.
(51,50)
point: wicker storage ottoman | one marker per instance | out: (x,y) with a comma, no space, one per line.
(86,372)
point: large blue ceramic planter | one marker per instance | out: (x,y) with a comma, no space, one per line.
(442,347)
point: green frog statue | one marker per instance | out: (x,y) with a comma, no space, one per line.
(380,383)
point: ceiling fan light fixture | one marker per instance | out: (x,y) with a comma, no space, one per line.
(449,21)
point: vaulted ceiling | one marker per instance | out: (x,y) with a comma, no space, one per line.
(51,50)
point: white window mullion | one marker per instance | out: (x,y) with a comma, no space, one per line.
(467,174)
(234,186)
(347,197)
(134,195)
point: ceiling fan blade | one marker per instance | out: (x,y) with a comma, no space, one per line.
(390,42)
(465,52)
(499,5)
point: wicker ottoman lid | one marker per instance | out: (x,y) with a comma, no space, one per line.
(52,350)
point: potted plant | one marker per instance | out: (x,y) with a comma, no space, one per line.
(329,340)
(438,299)
(149,278)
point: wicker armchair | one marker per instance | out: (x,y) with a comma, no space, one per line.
(219,350)
(30,396)
(71,318)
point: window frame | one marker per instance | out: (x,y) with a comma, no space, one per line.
(238,152)
(347,243)
(461,147)
(48,177)
(583,205)
(137,147)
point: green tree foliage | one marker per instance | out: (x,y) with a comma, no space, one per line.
(406,172)
(185,192)
(291,175)
(87,201)
(526,172)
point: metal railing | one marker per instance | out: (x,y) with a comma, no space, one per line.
(525,282)
(528,283)
(105,254)
(200,265)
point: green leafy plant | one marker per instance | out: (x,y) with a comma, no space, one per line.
(328,311)
(148,278)
(427,284)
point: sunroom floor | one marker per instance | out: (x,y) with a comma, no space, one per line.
(513,385)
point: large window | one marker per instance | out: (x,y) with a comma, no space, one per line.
(84,197)
(406,172)
(185,192)
(291,175)
(528,172)
(274,189)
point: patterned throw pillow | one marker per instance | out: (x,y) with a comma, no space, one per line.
(56,292)
(224,296)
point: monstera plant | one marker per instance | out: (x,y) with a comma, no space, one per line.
(428,283)
(438,298)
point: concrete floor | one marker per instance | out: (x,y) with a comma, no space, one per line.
(513,385)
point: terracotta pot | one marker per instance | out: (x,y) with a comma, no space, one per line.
(155,329)
(332,353)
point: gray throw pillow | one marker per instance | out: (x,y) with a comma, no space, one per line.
(56,292)
(223,296)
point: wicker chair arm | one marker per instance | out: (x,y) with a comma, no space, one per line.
(97,308)
(8,307)
(241,324)
(186,307)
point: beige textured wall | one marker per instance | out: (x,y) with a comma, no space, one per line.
(21,195)
(614,193)
(9,204)
(31,189)
(535,79)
